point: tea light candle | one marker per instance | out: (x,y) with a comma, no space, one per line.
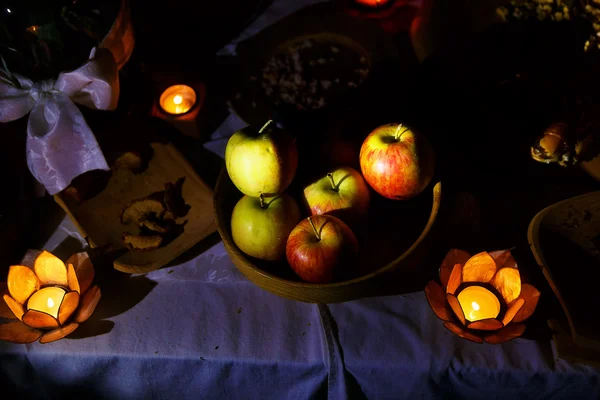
(478,303)
(47,300)
(178,99)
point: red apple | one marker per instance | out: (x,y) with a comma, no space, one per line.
(343,192)
(321,248)
(396,161)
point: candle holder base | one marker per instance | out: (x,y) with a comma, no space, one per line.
(186,123)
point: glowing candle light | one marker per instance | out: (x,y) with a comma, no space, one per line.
(478,303)
(372,3)
(178,99)
(47,300)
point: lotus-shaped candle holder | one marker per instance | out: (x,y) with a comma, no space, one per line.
(481,297)
(46,299)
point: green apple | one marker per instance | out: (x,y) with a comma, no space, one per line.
(261,161)
(342,192)
(260,226)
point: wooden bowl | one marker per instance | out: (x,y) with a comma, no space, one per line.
(565,240)
(381,250)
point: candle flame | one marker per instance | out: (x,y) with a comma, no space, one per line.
(473,313)
(50,302)
(177,99)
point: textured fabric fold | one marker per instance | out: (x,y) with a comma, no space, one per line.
(60,144)
(95,84)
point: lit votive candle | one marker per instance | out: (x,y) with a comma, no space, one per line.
(478,303)
(178,99)
(47,300)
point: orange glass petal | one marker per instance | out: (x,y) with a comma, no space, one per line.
(40,320)
(455,279)
(437,301)
(513,309)
(490,324)
(531,296)
(15,307)
(505,334)
(72,278)
(30,257)
(480,268)
(5,311)
(453,257)
(68,306)
(84,269)
(18,332)
(504,259)
(22,283)
(50,270)
(455,305)
(88,304)
(458,330)
(59,333)
(507,281)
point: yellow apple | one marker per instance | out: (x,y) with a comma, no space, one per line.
(260,226)
(261,161)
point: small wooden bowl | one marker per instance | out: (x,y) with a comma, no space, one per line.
(278,278)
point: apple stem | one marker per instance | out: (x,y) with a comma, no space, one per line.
(261,198)
(398,134)
(312,224)
(269,122)
(330,176)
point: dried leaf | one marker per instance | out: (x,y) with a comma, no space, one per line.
(505,334)
(456,307)
(507,281)
(455,279)
(88,304)
(513,309)
(18,332)
(489,324)
(84,269)
(480,268)
(68,306)
(50,270)
(22,283)
(437,301)
(531,296)
(453,257)
(72,278)
(59,333)
(15,307)
(458,330)
(40,320)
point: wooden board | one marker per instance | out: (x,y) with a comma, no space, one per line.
(98,218)
(565,240)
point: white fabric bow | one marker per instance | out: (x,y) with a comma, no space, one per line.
(60,144)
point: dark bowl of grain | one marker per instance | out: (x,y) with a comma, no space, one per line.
(307,66)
